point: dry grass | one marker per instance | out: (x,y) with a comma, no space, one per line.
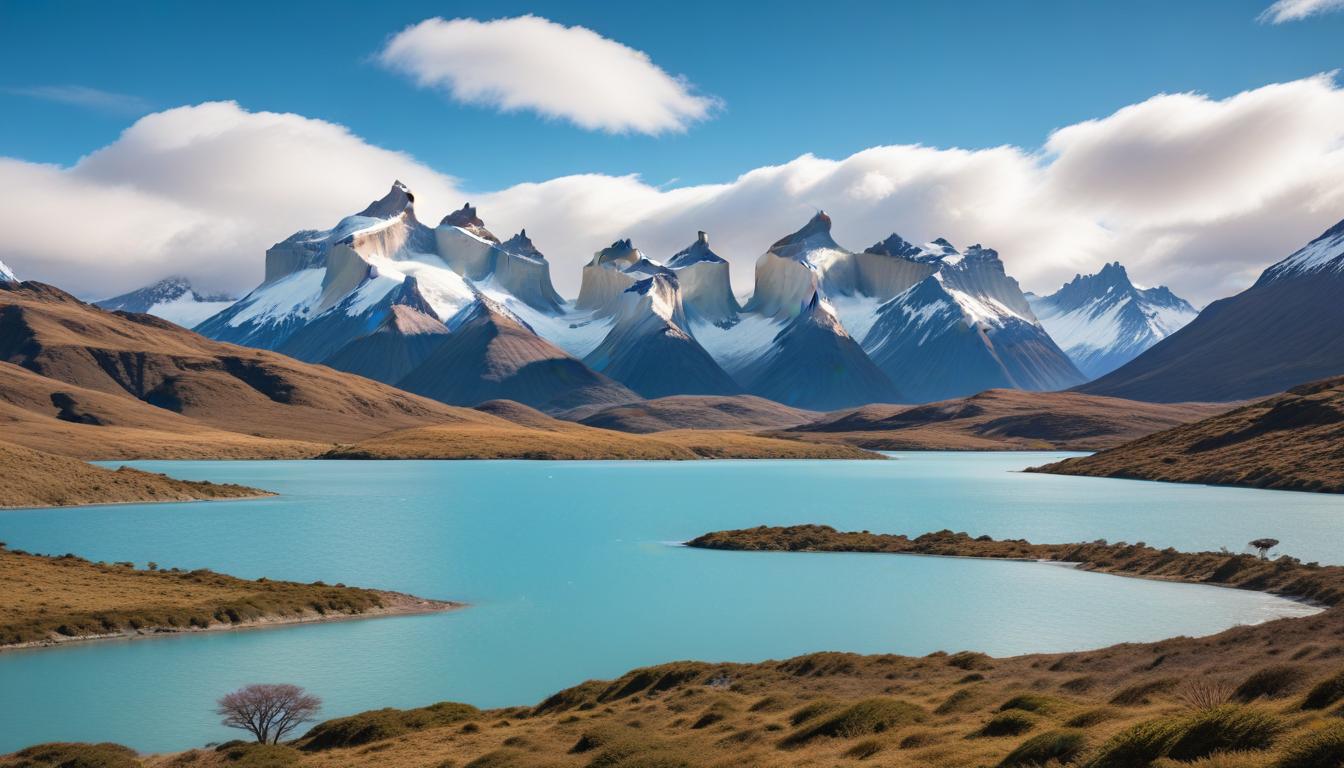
(37,479)
(1293,441)
(55,599)
(1005,419)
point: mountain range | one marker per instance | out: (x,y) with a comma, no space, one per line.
(459,315)
(172,299)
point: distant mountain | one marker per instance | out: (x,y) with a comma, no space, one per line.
(649,349)
(172,298)
(7,274)
(740,412)
(490,354)
(813,363)
(1103,321)
(964,328)
(1282,331)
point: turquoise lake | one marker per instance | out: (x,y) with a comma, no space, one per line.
(572,573)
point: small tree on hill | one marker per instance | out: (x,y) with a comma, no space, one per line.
(1264,545)
(268,712)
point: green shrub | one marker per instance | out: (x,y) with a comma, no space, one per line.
(1032,702)
(1089,718)
(865,718)
(1322,749)
(1326,692)
(379,724)
(1230,728)
(1270,683)
(1011,723)
(69,755)
(1059,746)
(1137,746)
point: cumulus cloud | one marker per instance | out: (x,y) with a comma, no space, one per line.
(531,63)
(86,97)
(1194,192)
(1296,10)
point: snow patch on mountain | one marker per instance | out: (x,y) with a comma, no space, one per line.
(1325,253)
(7,274)
(172,299)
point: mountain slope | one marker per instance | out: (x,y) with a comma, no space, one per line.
(173,299)
(1103,321)
(7,274)
(150,361)
(649,350)
(1278,333)
(1294,441)
(492,355)
(405,339)
(965,328)
(1005,419)
(741,412)
(813,363)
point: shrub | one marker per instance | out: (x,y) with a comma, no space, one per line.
(961,700)
(1089,718)
(1138,745)
(261,756)
(65,755)
(865,718)
(1229,728)
(379,724)
(1011,723)
(1322,749)
(1058,746)
(809,711)
(969,660)
(1326,692)
(1270,683)
(1031,702)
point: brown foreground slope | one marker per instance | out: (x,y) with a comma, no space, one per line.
(736,412)
(50,600)
(1294,441)
(531,434)
(121,385)
(37,479)
(1004,419)
(1263,696)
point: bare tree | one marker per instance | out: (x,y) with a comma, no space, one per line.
(1264,545)
(268,712)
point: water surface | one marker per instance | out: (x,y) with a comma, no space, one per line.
(571,576)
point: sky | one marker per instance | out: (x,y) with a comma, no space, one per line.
(1195,142)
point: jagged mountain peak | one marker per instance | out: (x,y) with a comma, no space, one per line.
(171,298)
(697,252)
(465,218)
(398,200)
(816,233)
(522,245)
(895,245)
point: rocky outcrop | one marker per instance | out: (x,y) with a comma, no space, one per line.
(706,290)
(613,270)
(515,267)
(798,267)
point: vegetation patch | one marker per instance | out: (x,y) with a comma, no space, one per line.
(1010,723)
(865,718)
(1049,748)
(380,724)
(1321,749)
(67,755)
(1271,682)
(1326,692)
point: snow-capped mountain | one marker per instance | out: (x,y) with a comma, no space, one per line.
(516,266)
(798,267)
(404,340)
(812,362)
(1103,321)
(706,289)
(613,270)
(649,350)
(1282,331)
(6,274)
(964,328)
(492,354)
(172,299)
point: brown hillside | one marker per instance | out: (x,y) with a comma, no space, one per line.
(1005,419)
(137,381)
(740,412)
(37,479)
(1294,441)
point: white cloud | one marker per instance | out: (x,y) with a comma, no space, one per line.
(532,63)
(1194,192)
(1296,10)
(84,96)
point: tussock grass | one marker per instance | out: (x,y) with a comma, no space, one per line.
(1272,682)
(865,718)
(1052,747)
(1326,692)
(67,755)
(380,724)
(1010,723)
(1321,749)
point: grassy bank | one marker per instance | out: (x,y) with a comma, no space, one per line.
(49,600)
(1263,696)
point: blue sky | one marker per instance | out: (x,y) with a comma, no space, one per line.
(1195,142)
(825,78)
